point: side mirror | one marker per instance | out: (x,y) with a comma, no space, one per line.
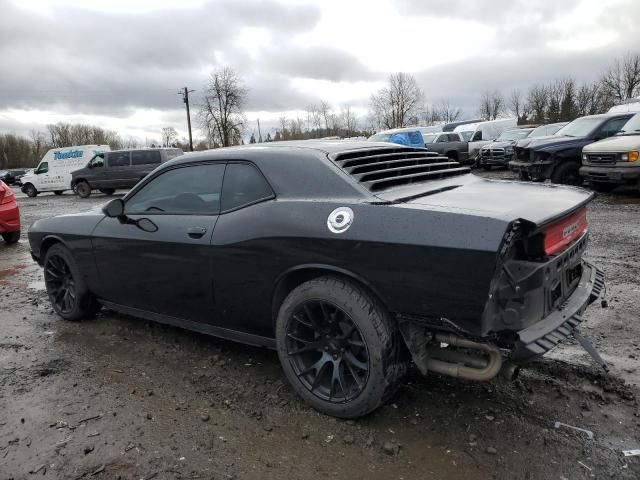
(114,209)
(146,225)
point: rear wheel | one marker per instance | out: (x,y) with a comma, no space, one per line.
(524,176)
(11,237)
(339,348)
(567,173)
(69,295)
(108,191)
(59,192)
(83,189)
(486,166)
(603,187)
(30,190)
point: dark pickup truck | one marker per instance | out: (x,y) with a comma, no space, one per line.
(449,144)
(559,157)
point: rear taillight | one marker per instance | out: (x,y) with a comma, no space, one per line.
(563,232)
(6,195)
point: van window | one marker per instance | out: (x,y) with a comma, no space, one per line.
(97,161)
(243,185)
(43,167)
(415,137)
(118,159)
(145,157)
(173,153)
(477,136)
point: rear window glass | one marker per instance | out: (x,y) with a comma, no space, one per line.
(243,185)
(145,157)
(118,159)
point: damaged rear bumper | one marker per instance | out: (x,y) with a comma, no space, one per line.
(542,336)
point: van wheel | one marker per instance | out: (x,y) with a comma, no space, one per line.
(30,190)
(108,191)
(339,347)
(524,176)
(59,192)
(83,189)
(69,295)
(567,174)
(11,237)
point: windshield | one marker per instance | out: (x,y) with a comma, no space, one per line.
(513,135)
(632,127)
(430,137)
(545,130)
(380,137)
(580,127)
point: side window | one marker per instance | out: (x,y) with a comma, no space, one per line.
(477,136)
(453,137)
(118,159)
(612,127)
(43,167)
(192,189)
(145,157)
(243,185)
(97,161)
(442,138)
(415,137)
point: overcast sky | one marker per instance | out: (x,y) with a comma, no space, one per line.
(120,63)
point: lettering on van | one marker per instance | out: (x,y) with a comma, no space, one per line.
(68,154)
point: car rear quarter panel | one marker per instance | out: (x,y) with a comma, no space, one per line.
(425,263)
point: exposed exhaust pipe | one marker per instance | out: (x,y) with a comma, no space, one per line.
(462,365)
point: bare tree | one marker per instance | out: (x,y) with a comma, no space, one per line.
(519,106)
(169,135)
(447,112)
(38,142)
(398,102)
(622,80)
(222,109)
(349,121)
(325,112)
(491,105)
(284,131)
(538,100)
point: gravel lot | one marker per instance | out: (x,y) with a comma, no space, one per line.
(118,397)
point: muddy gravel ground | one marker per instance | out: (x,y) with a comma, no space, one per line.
(119,397)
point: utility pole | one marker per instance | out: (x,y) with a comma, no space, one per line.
(259,133)
(185,98)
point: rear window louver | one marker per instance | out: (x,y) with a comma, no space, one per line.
(381,169)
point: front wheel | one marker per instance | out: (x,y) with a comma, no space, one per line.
(69,295)
(11,237)
(338,347)
(30,190)
(108,191)
(83,189)
(524,176)
(567,173)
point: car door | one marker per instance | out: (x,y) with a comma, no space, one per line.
(118,166)
(45,180)
(167,271)
(96,171)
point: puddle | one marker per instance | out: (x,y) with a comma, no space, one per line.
(9,272)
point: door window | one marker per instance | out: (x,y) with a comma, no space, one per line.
(43,167)
(193,189)
(145,157)
(442,139)
(118,159)
(96,161)
(453,137)
(244,185)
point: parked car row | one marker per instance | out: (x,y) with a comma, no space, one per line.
(559,157)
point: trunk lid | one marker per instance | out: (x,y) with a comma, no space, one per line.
(500,199)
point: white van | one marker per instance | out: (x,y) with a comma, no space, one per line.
(53,173)
(481,133)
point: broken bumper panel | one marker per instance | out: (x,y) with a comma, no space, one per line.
(541,337)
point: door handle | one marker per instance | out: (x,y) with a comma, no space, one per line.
(196,232)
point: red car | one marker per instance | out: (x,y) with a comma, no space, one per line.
(9,215)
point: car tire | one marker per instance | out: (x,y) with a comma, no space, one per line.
(108,191)
(68,292)
(11,237)
(366,365)
(603,187)
(567,173)
(486,166)
(58,192)
(83,189)
(524,176)
(30,190)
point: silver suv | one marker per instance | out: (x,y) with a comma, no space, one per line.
(615,160)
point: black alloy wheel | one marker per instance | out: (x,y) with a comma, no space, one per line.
(327,351)
(61,285)
(30,190)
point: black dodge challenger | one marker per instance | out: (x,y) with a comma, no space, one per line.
(349,258)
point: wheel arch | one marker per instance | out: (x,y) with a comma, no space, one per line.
(297,275)
(48,242)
